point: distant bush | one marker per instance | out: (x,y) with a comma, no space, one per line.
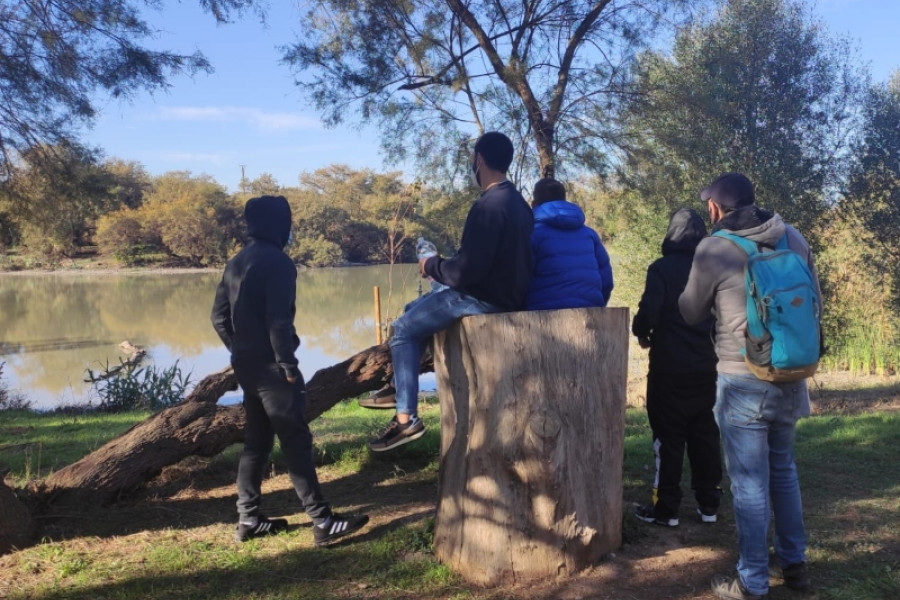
(9,400)
(315,252)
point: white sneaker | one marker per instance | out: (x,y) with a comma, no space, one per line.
(711,518)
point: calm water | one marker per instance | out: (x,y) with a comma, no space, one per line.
(53,327)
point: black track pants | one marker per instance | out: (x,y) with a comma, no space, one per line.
(680,408)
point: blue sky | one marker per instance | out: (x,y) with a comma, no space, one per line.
(249,116)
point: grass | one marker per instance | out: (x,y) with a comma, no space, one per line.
(173,540)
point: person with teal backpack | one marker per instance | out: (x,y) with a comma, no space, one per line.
(782,341)
(757,277)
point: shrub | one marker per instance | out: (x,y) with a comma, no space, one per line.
(126,388)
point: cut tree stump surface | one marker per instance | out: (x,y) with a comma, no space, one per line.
(532,433)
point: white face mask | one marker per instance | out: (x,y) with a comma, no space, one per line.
(473,175)
(290,238)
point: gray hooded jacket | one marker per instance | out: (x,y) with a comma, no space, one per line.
(716,283)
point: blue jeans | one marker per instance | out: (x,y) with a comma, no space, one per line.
(756,419)
(421,319)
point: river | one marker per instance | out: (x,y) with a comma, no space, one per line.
(55,326)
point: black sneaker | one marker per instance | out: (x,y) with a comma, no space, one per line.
(731,588)
(796,576)
(386,397)
(337,526)
(648,514)
(263,527)
(707,515)
(397,434)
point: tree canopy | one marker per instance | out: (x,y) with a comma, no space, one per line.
(757,87)
(56,56)
(434,75)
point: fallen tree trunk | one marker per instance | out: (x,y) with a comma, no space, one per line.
(200,427)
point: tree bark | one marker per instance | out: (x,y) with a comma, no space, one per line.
(198,426)
(532,435)
(16,525)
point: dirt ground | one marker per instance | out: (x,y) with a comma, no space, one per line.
(654,563)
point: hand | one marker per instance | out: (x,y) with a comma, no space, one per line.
(422,267)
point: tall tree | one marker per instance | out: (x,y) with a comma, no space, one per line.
(433,75)
(57,196)
(757,87)
(55,57)
(873,192)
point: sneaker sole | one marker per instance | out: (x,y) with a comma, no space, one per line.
(336,537)
(404,440)
(660,522)
(707,518)
(377,405)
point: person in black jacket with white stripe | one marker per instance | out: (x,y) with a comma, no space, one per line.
(681,382)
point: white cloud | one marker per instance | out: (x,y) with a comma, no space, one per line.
(261,119)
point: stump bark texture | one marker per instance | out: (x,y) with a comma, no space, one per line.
(532,433)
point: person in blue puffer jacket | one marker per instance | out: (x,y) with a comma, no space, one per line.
(571,266)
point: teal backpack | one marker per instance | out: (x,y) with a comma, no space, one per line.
(782,341)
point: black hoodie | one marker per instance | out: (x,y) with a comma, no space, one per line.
(675,346)
(254,308)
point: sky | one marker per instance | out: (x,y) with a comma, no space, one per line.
(248,118)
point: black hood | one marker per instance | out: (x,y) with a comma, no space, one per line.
(686,229)
(269,219)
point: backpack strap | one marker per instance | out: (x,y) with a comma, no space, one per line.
(741,242)
(749,246)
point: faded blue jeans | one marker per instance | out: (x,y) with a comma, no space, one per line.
(421,319)
(756,419)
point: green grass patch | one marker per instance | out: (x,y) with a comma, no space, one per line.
(847,468)
(34,445)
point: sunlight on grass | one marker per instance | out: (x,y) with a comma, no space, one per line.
(847,469)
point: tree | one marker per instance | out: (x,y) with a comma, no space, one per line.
(757,88)
(873,192)
(192,217)
(432,74)
(57,196)
(56,56)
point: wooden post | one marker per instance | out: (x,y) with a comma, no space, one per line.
(377,292)
(532,434)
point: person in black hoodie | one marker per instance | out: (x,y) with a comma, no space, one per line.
(253,314)
(681,383)
(490,273)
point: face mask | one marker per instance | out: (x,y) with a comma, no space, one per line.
(473,175)
(290,237)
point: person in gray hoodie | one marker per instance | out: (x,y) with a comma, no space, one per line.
(756,418)
(253,314)
(681,382)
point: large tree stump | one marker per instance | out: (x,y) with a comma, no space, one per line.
(532,433)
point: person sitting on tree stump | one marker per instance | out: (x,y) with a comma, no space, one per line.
(489,274)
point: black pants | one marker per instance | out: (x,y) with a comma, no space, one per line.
(680,408)
(275,407)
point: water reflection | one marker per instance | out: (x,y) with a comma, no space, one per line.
(54,326)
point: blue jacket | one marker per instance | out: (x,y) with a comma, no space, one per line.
(571,266)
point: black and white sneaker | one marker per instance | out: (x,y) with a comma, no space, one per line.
(397,434)
(262,527)
(337,526)
(648,514)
